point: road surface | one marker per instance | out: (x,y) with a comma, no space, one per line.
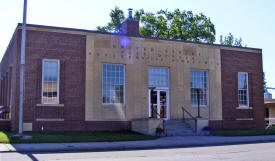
(244,152)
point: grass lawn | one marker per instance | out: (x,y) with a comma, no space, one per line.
(63,137)
(246,132)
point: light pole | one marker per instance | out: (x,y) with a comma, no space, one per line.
(22,69)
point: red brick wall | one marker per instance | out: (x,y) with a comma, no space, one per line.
(130,27)
(233,62)
(4,125)
(9,73)
(70,49)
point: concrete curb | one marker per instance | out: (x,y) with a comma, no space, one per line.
(161,143)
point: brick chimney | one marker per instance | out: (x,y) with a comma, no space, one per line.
(130,26)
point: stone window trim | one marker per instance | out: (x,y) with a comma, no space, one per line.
(207,90)
(50,105)
(58,83)
(244,106)
(113,105)
(121,100)
(49,119)
(3,120)
(201,106)
(244,119)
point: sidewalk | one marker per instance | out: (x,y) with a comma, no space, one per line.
(165,142)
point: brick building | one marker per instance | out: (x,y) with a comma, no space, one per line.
(86,80)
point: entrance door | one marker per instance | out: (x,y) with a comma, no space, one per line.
(158,103)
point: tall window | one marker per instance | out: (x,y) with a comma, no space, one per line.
(50,82)
(199,81)
(158,77)
(113,83)
(243,89)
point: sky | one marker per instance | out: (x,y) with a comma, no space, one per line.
(252,20)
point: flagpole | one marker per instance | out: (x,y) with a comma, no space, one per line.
(22,69)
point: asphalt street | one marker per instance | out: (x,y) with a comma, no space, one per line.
(244,152)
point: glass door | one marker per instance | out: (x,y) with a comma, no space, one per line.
(153,104)
(163,104)
(158,103)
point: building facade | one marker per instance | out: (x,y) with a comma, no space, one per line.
(78,80)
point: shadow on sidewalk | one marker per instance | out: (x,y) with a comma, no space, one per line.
(31,155)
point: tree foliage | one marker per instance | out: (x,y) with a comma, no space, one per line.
(231,41)
(179,25)
(117,16)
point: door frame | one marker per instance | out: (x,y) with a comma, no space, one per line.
(158,89)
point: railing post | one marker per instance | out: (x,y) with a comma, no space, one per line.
(192,117)
(198,97)
(163,125)
(183,114)
(196,131)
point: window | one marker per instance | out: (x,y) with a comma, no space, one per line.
(113,83)
(243,89)
(199,81)
(50,82)
(158,77)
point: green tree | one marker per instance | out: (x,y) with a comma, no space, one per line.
(179,25)
(231,41)
(117,16)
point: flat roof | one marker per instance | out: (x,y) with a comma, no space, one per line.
(19,25)
(108,33)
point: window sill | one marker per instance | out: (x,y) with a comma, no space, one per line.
(244,119)
(113,105)
(50,105)
(203,106)
(243,108)
(5,120)
(46,119)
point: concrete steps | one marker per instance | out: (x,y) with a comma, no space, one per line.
(177,128)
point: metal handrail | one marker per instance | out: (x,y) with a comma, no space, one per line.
(188,113)
(192,117)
